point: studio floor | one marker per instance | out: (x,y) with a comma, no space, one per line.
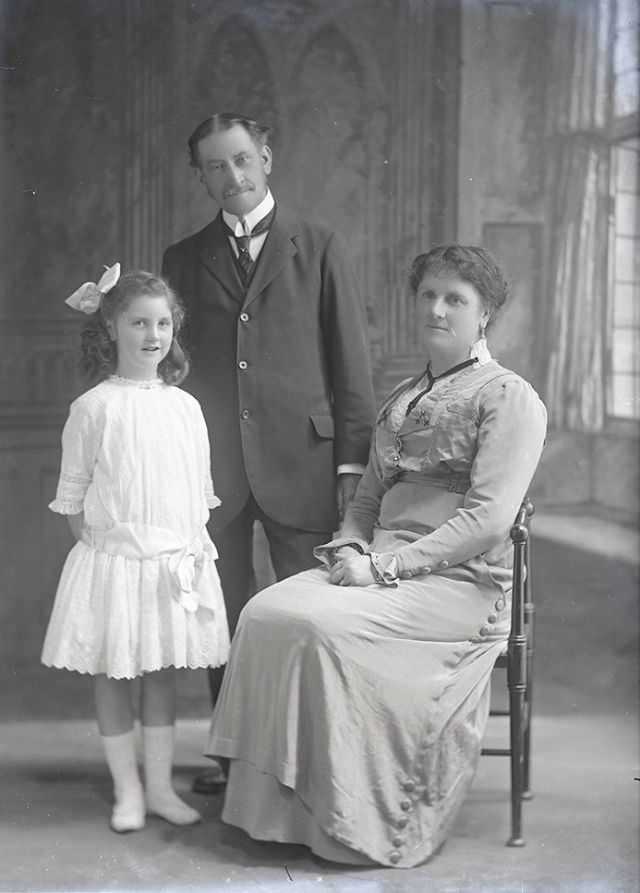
(581,827)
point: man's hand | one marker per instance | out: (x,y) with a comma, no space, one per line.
(346,490)
(351,569)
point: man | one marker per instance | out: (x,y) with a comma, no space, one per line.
(278,341)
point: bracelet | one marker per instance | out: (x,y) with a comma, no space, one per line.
(384,568)
(355,546)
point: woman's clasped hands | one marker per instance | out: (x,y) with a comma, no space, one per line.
(351,568)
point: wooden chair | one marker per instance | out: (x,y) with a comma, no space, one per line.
(517,659)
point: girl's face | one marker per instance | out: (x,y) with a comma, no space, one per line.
(143,334)
(450,312)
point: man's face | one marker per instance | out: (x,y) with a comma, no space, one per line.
(234,170)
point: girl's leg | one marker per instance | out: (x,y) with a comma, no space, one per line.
(158,717)
(115,721)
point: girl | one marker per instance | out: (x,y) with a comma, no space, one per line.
(139,593)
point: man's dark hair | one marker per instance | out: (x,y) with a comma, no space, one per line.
(225,121)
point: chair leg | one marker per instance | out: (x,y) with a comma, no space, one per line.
(516,703)
(529,623)
(527,793)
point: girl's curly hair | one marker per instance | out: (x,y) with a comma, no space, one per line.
(98,353)
(472,264)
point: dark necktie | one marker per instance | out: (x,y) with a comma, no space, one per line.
(244,260)
(431,380)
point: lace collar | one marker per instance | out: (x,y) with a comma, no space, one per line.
(145,383)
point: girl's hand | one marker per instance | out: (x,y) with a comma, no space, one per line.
(351,569)
(75,523)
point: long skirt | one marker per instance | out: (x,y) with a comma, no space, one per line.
(354,716)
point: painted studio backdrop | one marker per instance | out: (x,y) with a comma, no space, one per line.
(402,123)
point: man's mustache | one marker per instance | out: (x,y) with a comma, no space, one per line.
(238,190)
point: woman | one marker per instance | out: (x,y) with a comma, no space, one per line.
(356,696)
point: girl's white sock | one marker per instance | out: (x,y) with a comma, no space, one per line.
(161,799)
(129,810)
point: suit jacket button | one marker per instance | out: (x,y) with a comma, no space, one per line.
(244,317)
(245,414)
(394,858)
(242,364)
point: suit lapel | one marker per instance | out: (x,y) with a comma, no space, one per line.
(215,254)
(276,252)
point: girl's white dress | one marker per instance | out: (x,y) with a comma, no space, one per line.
(140,590)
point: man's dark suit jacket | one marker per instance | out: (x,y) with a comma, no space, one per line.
(281,369)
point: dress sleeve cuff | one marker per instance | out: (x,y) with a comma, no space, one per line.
(66,506)
(412,567)
(212,501)
(384,567)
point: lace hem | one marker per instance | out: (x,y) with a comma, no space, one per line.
(202,664)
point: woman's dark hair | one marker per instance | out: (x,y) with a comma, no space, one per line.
(259,133)
(99,355)
(471,263)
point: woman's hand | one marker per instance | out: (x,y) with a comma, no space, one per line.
(351,569)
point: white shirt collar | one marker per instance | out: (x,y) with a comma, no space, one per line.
(252,217)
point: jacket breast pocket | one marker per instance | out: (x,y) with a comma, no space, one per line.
(323,426)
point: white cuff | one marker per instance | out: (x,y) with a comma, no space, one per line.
(351,468)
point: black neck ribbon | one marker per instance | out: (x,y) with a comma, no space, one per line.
(431,379)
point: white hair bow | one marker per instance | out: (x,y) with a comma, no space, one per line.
(89,296)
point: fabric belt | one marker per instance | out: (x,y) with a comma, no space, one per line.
(453,483)
(187,559)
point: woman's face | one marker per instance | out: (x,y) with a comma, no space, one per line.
(450,313)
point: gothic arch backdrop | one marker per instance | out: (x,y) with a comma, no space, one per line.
(363,111)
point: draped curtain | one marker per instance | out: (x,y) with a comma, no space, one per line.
(575,386)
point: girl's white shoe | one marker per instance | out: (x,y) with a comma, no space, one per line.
(129,813)
(170,807)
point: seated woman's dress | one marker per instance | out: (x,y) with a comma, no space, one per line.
(354,715)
